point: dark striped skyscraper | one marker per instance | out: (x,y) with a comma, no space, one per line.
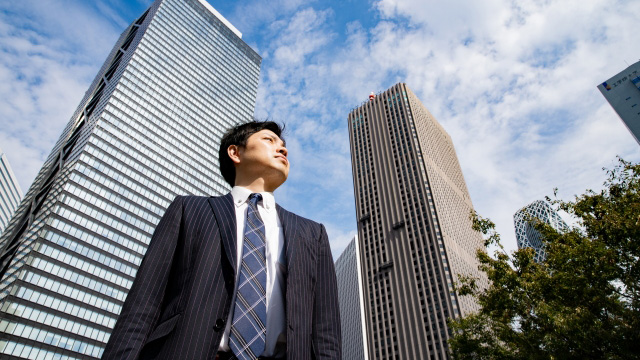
(414,229)
(147,129)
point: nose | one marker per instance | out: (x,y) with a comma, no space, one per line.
(283,150)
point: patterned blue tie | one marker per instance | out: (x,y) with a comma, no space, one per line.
(248,331)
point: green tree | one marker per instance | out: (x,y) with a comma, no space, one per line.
(583,302)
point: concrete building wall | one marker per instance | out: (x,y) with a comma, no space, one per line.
(414,229)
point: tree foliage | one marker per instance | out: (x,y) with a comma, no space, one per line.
(583,302)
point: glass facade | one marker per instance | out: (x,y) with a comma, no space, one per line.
(526,235)
(350,297)
(10,192)
(623,94)
(147,130)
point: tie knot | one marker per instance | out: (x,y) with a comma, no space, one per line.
(254,198)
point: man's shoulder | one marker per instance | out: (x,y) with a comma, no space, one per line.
(196,198)
(291,217)
(188,201)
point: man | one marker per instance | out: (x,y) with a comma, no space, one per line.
(235,276)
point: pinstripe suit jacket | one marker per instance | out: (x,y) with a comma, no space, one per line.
(180,300)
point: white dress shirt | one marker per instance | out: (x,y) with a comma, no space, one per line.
(276,268)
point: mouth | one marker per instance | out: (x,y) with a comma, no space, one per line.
(283,158)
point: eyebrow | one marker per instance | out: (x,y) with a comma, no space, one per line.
(274,136)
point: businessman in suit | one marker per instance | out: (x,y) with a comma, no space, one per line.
(235,276)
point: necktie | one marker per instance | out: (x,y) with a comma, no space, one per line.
(247,336)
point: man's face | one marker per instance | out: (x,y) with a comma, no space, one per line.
(264,156)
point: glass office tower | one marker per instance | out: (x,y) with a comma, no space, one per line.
(10,192)
(350,297)
(147,129)
(414,228)
(622,91)
(526,235)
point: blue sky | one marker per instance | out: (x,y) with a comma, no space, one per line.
(513,83)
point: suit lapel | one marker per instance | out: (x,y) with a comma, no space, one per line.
(289,227)
(223,210)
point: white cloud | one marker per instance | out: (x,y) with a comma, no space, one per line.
(47,59)
(250,15)
(298,36)
(513,83)
(112,14)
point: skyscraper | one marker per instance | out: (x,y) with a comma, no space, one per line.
(350,297)
(10,192)
(526,235)
(147,129)
(623,93)
(414,229)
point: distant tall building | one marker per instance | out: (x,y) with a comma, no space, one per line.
(623,93)
(350,297)
(414,228)
(147,129)
(10,192)
(526,235)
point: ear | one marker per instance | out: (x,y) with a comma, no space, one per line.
(234,153)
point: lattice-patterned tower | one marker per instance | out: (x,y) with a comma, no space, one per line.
(526,235)
(147,129)
(414,228)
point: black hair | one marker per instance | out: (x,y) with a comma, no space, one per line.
(238,135)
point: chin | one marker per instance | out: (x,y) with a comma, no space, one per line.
(283,178)
(276,180)
(281,173)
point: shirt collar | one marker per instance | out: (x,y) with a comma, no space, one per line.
(241,194)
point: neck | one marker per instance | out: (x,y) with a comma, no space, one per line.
(256,186)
